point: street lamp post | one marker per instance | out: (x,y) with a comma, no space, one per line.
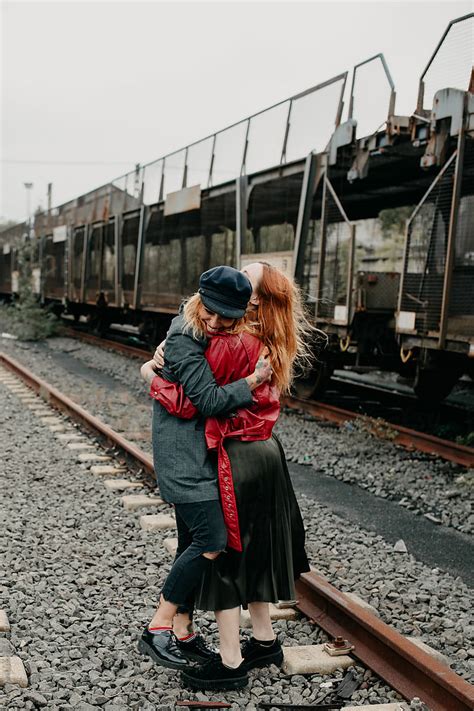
(28,187)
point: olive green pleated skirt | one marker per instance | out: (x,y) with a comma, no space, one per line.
(271,530)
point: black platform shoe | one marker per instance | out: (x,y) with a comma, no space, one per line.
(256,654)
(215,676)
(162,648)
(196,649)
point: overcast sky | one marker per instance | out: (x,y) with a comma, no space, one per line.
(89,89)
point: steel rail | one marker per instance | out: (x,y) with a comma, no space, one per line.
(132,351)
(408,438)
(403,665)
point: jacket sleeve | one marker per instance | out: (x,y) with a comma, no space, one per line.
(186,360)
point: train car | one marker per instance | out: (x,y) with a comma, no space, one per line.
(435,318)
(53,265)
(11,241)
(413,177)
(374,228)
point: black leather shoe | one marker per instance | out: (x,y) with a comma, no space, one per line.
(214,675)
(162,648)
(256,654)
(196,650)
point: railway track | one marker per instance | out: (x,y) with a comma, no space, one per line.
(131,351)
(403,665)
(404,436)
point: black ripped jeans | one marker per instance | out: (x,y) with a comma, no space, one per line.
(201,529)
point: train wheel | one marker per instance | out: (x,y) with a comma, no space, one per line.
(315,383)
(432,386)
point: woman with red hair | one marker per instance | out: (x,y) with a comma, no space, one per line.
(265,552)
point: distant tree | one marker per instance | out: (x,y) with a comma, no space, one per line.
(5,223)
(25,318)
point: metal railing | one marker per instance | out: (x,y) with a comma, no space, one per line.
(284,132)
(451,63)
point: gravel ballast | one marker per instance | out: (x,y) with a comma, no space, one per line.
(82,579)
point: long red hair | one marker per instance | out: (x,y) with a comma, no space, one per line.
(280,323)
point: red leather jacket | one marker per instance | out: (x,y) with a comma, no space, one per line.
(230,357)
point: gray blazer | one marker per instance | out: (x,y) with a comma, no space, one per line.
(184,468)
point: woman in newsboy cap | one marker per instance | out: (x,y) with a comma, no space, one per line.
(214,337)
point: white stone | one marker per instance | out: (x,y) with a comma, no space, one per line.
(120,484)
(171,545)
(276,613)
(51,420)
(70,437)
(429,650)
(312,659)
(367,606)
(132,502)
(283,612)
(157,522)
(106,470)
(93,457)
(400,546)
(12,671)
(79,445)
(4,624)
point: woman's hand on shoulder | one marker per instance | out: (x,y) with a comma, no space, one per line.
(159,355)
(148,371)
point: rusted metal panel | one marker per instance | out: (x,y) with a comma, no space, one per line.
(342,136)
(183,200)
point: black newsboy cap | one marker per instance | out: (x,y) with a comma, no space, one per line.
(225,291)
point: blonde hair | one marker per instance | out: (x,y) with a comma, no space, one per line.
(194,322)
(280,322)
